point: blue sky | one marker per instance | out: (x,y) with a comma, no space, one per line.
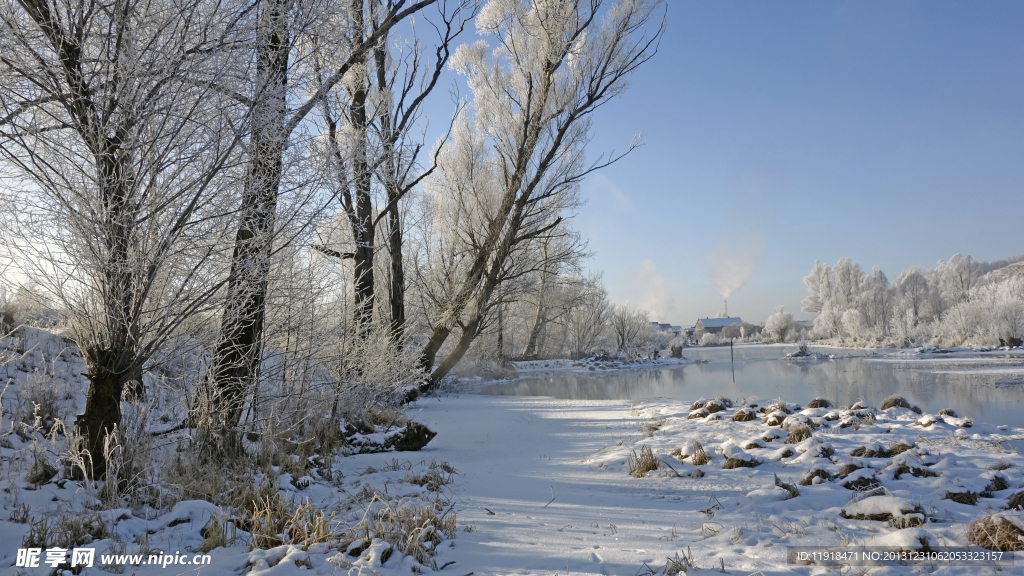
(889,132)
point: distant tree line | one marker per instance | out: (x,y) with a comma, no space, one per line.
(960,301)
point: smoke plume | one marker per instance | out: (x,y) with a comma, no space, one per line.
(732,263)
(647,289)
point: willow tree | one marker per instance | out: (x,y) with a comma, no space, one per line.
(551,66)
(121,159)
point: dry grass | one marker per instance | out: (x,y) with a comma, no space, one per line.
(65,530)
(733,463)
(698,413)
(793,490)
(967,497)
(650,427)
(914,471)
(742,415)
(820,402)
(798,434)
(810,475)
(909,518)
(996,484)
(948,412)
(847,469)
(412,529)
(996,532)
(640,465)
(895,401)
(20,514)
(699,456)
(862,484)
(40,473)
(437,476)
(870,452)
(713,406)
(1016,501)
(1001,466)
(899,447)
(773,419)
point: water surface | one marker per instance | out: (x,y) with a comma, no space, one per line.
(987,387)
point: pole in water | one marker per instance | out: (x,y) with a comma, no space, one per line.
(732,361)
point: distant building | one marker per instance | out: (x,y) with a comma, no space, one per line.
(716,325)
(662,327)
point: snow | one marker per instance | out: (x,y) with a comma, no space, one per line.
(543,486)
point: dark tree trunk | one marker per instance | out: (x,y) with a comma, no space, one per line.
(360,211)
(102,414)
(237,358)
(397,292)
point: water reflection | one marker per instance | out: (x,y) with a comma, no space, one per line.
(985,395)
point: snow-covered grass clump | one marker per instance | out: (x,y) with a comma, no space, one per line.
(869,474)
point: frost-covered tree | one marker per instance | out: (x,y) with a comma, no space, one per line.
(878,300)
(779,326)
(123,187)
(951,304)
(829,322)
(284,87)
(847,277)
(958,277)
(629,327)
(913,290)
(533,96)
(588,318)
(820,288)
(373,157)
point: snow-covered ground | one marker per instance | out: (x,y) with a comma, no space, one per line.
(543,486)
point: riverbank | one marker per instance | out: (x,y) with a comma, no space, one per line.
(535,485)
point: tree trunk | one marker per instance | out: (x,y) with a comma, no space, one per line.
(397,291)
(538,325)
(501,333)
(237,358)
(360,212)
(102,413)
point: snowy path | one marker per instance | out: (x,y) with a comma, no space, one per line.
(512,453)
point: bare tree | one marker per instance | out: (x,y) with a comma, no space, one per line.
(628,325)
(531,110)
(282,94)
(588,319)
(123,157)
(370,118)
(559,255)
